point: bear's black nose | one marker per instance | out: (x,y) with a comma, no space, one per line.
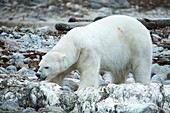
(38,75)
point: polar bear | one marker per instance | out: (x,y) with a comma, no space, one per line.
(119,44)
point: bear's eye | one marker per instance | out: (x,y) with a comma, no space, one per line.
(46,67)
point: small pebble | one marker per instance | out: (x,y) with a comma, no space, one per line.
(16,35)
(10,105)
(169,37)
(23,70)
(18,56)
(158,79)
(71,83)
(27,60)
(53,8)
(11,36)
(167,82)
(5,58)
(29,110)
(4,34)
(12,61)
(107,77)
(11,68)
(155,68)
(75,74)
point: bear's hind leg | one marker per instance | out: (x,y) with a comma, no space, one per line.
(142,73)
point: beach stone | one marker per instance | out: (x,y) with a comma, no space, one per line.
(158,78)
(9,106)
(11,68)
(53,8)
(17,56)
(4,34)
(167,82)
(29,110)
(95,5)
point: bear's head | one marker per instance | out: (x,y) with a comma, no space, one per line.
(51,65)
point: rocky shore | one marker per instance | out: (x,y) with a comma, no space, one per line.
(22,48)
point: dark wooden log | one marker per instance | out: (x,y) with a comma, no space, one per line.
(148,22)
(155,22)
(68,26)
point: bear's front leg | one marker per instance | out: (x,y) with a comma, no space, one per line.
(60,77)
(56,79)
(89,66)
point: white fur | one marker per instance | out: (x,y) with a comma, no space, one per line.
(119,44)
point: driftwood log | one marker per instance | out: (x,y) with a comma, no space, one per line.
(148,22)
(155,23)
(131,98)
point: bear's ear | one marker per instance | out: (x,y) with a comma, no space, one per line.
(61,57)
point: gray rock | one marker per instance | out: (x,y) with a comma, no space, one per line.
(104,11)
(26,37)
(3,71)
(27,60)
(5,58)
(43,29)
(112,3)
(169,37)
(19,63)
(9,106)
(94,5)
(40,1)
(130,78)
(2,75)
(158,78)
(34,37)
(78,1)
(11,36)
(166,53)
(4,34)
(119,4)
(107,77)
(102,82)
(157,49)
(75,74)
(29,110)
(28,73)
(23,70)
(16,35)
(11,68)
(71,83)
(51,109)
(156,37)
(155,68)
(17,56)
(163,70)
(167,82)
(53,8)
